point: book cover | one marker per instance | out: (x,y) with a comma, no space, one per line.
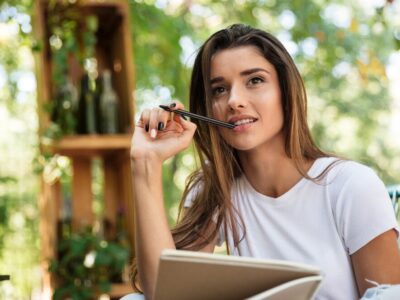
(197,275)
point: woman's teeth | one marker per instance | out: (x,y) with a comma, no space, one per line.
(244,121)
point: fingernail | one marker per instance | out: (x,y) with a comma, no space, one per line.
(172,104)
(147,127)
(160,126)
(153,133)
(183,117)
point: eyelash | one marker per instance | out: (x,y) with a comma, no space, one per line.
(259,79)
(215,90)
(216,93)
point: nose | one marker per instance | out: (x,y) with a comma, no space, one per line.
(237,98)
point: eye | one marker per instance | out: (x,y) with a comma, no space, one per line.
(216,91)
(255,80)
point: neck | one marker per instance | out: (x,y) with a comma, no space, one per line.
(270,171)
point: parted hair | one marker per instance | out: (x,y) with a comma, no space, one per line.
(209,187)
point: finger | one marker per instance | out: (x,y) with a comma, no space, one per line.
(176,105)
(187,125)
(153,122)
(144,119)
(163,117)
(186,132)
(139,123)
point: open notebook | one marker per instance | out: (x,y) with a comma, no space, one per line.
(196,275)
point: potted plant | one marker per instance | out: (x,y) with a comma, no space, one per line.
(87,265)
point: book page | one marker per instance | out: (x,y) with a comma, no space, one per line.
(300,289)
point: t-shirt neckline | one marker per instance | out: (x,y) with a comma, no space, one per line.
(314,170)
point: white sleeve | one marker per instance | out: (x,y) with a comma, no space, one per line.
(363,208)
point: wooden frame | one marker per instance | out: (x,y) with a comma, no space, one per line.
(113,51)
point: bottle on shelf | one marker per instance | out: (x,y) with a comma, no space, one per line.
(87,106)
(108,106)
(65,222)
(64,112)
(99,91)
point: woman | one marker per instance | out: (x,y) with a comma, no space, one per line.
(264,187)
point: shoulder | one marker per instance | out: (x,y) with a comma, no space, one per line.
(352,184)
(342,171)
(356,175)
(360,204)
(346,179)
(351,168)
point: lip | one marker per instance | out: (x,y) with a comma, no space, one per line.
(236,118)
(243,127)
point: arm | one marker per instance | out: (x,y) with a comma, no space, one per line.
(151,227)
(379,261)
(148,152)
(367,224)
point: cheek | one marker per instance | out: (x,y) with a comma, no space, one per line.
(279,118)
(275,104)
(217,110)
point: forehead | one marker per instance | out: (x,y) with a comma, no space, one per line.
(241,58)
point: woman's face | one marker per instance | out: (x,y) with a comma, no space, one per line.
(246,92)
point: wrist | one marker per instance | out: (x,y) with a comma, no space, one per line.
(146,164)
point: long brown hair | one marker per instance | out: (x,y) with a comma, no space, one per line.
(210,186)
(219,162)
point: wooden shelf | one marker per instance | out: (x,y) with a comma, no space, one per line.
(83,145)
(113,51)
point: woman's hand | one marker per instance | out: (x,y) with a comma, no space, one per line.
(160,134)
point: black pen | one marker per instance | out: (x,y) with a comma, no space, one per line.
(198,117)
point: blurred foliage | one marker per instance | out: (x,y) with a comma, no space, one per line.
(342,61)
(17,14)
(19,249)
(87,265)
(342,50)
(4,214)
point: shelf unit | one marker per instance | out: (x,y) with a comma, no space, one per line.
(89,145)
(113,51)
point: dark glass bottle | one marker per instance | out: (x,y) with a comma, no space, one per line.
(108,106)
(87,106)
(99,90)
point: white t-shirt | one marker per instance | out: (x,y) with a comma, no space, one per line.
(316,223)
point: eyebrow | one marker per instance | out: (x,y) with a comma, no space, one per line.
(243,73)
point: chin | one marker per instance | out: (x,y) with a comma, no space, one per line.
(242,146)
(242,143)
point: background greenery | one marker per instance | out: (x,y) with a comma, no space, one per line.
(345,52)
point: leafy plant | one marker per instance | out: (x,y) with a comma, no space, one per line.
(4,209)
(87,265)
